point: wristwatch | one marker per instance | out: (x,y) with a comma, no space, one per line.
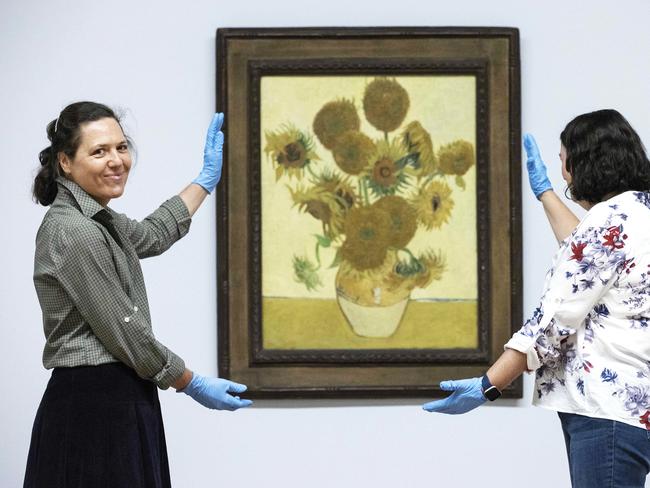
(490,391)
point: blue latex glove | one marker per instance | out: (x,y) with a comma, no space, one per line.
(466,396)
(212,156)
(537,177)
(214,393)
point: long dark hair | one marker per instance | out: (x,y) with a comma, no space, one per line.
(64,134)
(605,156)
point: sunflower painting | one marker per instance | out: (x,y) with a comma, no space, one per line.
(369,212)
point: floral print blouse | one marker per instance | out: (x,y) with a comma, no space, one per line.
(589,340)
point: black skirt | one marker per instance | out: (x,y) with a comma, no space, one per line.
(98,426)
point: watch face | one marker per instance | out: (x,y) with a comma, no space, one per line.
(492,393)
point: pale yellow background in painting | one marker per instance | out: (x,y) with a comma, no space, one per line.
(446,108)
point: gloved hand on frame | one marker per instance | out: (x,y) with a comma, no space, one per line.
(212,156)
(214,393)
(467,395)
(537,176)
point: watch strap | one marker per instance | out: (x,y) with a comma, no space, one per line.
(490,391)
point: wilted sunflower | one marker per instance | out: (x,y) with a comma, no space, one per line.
(352,151)
(290,150)
(433,204)
(456,158)
(305,272)
(421,271)
(361,286)
(385,103)
(340,187)
(385,175)
(434,267)
(367,231)
(321,204)
(417,141)
(403,220)
(334,119)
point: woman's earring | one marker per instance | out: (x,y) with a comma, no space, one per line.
(568,189)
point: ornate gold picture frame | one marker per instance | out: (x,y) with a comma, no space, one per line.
(369,226)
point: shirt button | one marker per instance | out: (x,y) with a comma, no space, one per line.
(127,319)
(135,309)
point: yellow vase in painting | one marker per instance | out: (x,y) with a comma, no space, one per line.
(373,301)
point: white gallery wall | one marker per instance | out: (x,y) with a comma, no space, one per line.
(156,60)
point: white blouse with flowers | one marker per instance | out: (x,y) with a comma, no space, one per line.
(589,340)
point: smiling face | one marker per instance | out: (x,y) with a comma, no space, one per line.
(102,162)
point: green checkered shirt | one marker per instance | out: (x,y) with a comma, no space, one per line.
(91,289)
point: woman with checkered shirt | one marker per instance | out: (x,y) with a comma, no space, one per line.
(99,422)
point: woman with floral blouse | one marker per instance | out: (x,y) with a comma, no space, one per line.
(588,341)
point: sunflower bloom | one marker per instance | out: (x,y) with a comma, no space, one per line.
(385,174)
(361,257)
(456,158)
(433,204)
(367,232)
(290,150)
(385,103)
(352,152)
(403,220)
(334,119)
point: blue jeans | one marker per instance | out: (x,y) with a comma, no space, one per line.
(605,453)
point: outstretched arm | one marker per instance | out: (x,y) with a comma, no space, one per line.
(585,269)
(468,394)
(510,365)
(160,230)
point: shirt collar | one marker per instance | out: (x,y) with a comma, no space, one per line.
(87,204)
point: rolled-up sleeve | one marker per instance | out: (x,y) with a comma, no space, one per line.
(586,266)
(157,232)
(86,271)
